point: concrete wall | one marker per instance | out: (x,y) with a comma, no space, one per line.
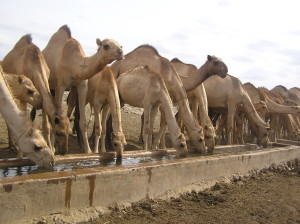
(26,197)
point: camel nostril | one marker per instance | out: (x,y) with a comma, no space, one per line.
(182,145)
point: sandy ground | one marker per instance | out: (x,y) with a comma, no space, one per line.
(269,197)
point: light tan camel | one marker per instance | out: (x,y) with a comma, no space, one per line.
(144,88)
(147,55)
(288,96)
(229,94)
(197,97)
(28,138)
(296,91)
(26,58)
(103,96)
(70,67)
(192,77)
(24,91)
(276,109)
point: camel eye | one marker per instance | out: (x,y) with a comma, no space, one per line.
(216,62)
(106,47)
(30,92)
(38,148)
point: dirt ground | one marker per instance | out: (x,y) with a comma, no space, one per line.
(269,197)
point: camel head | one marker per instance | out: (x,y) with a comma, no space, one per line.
(110,50)
(62,130)
(36,147)
(180,145)
(27,92)
(209,137)
(119,141)
(197,137)
(263,139)
(215,66)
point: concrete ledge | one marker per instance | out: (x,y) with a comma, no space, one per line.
(27,197)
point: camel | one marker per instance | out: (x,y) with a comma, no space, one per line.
(69,67)
(142,87)
(275,106)
(103,97)
(147,55)
(197,96)
(231,93)
(24,91)
(26,58)
(28,138)
(296,91)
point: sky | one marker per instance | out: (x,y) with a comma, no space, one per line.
(259,40)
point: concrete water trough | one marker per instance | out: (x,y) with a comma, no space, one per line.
(152,174)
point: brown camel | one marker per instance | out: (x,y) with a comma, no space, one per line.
(142,87)
(28,138)
(24,91)
(147,55)
(26,58)
(296,91)
(275,105)
(70,67)
(197,96)
(231,93)
(103,96)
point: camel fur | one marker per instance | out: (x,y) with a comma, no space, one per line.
(142,87)
(26,58)
(70,67)
(147,55)
(28,138)
(103,97)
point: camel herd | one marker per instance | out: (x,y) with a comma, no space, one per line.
(212,105)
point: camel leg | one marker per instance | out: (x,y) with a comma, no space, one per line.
(97,116)
(46,131)
(152,120)
(160,138)
(105,112)
(82,94)
(230,123)
(146,130)
(142,127)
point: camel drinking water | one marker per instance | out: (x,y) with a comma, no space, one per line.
(142,87)
(191,75)
(147,55)
(24,91)
(231,93)
(26,58)
(28,138)
(70,67)
(103,97)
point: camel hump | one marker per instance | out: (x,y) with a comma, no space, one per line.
(176,60)
(25,39)
(66,29)
(147,46)
(282,87)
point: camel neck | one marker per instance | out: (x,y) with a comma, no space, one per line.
(195,78)
(89,66)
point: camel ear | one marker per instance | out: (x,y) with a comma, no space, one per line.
(206,127)
(99,42)
(209,57)
(56,120)
(20,79)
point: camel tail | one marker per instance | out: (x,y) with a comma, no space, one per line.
(251,112)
